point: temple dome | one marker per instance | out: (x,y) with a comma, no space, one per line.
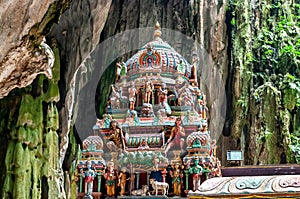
(158,55)
(93,143)
(203,139)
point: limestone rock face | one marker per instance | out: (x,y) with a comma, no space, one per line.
(77,34)
(23,27)
(16,21)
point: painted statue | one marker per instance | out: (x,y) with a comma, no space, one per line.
(196,170)
(163,98)
(122,180)
(110,177)
(89,175)
(181,67)
(121,70)
(144,145)
(116,138)
(176,175)
(115,98)
(132,96)
(194,76)
(141,192)
(175,139)
(148,91)
(163,186)
(200,106)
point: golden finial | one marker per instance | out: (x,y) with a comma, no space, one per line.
(157,32)
(157,26)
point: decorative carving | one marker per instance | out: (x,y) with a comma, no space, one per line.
(147,110)
(158,80)
(290,182)
(286,183)
(249,183)
(116,138)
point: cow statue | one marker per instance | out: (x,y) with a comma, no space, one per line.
(141,192)
(163,186)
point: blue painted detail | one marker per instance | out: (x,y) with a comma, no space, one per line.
(168,62)
(252,183)
(175,67)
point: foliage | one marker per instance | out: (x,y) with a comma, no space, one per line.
(291,89)
(295,146)
(265,56)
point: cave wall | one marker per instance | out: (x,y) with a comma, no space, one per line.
(265,59)
(31,168)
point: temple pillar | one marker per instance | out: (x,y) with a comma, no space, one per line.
(137,180)
(164,174)
(186,172)
(148,178)
(99,176)
(80,183)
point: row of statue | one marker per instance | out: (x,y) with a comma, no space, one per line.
(117,178)
(180,95)
(176,178)
(116,138)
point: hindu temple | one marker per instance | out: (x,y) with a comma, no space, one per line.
(154,139)
(154,133)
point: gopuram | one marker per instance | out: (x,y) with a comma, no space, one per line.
(154,134)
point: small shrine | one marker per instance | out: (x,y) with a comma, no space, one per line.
(90,167)
(154,138)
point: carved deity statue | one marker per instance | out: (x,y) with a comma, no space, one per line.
(181,67)
(148,91)
(121,70)
(176,175)
(196,170)
(122,180)
(175,139)
(201,107)
(132,96)
(89,175)
(110,177)
(116,138)
(163,98)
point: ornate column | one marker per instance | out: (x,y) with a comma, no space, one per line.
(153,97)
(148,178)
(186,172)
(99,176)
(80,183)
(137,180)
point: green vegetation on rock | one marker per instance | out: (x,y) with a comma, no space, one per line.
(31,162)
(265,55)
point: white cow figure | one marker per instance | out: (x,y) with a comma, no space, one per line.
(141,192)
(163,186)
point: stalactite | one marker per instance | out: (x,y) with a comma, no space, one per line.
(33,152)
